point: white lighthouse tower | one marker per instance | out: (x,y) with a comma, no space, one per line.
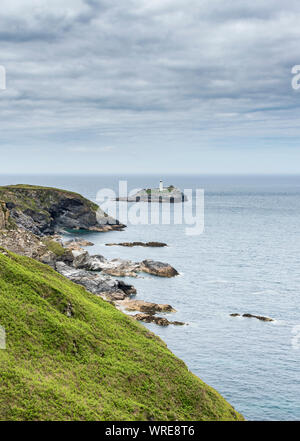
(161,185)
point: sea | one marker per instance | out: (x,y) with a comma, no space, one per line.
(246,260)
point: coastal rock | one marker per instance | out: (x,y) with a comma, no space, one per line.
(114,267)
(138,244)
(158,268)
(44,210)
(83,260)
(147,307)
(77,243)
(161,321)
(100,284)
(259,317)
(120,267)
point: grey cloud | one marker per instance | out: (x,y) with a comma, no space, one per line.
(160,68)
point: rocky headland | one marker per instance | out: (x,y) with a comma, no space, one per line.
(44,210)
(30,218)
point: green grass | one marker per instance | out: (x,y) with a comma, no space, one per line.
(98,364)
(54,246)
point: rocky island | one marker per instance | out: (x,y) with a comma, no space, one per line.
(161,194)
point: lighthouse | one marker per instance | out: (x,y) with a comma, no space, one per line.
(161,185)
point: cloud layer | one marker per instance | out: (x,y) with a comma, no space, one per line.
(198,80)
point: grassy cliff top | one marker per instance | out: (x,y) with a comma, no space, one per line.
(72,356)
(23,195)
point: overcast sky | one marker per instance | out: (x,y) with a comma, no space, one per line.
(136,86)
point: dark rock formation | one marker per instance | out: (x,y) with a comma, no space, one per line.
(158,268)
(161,321)
(138,244)
(100,284)
(259,317)
(44,210)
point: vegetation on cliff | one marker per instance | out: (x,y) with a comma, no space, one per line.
(72,356)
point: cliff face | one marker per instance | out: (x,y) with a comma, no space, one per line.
(44,210)
(4,216)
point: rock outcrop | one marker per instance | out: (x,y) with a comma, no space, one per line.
(158,268)
(121,267)
(44,210)
(4,216)
(146,307)
(161,321)
(258,317)
(103,285)
(25,243)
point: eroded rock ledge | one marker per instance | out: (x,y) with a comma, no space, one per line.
(150,318)
(121,267)
(146,307)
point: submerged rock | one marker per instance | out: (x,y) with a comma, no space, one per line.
(138,244)
(259,317)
